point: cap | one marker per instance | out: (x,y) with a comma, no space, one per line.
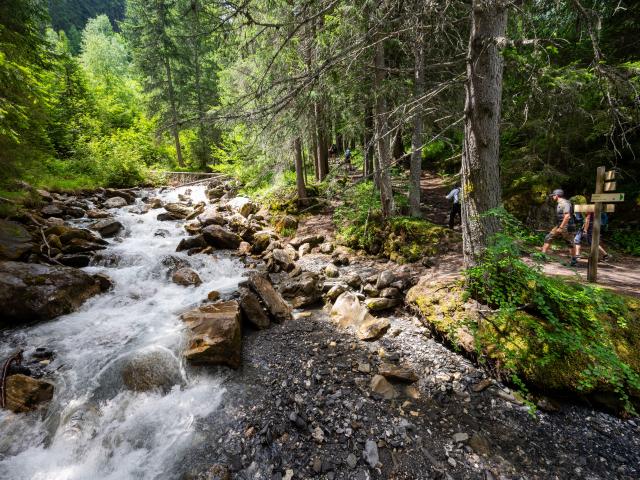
(558,191)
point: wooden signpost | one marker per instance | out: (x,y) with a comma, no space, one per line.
(604,183)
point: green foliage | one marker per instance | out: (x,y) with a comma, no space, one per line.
(359,220)
(546,329)
(627,241)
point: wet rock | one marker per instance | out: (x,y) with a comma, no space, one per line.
(213,295)
(370,290)
(178,210)
(331,271)
(113,193)
(188,243)
(244,248)
(39,292)
(67,234)
(24,394)
(186,277)
(370,453)
(215,193)
(376,304)
(381,387)
(396,372)
(15,240)
(302,290)
(215,334)
(115,202)
(161,232)
(385,279)
(353,280)
(372,328)
(252,309)
(52,210)
(351,461)
(104,282)
(155,203)
(107,228)
(97,214)
(75,260)
(165,217)
(79,245)
(153,368)
(287,222)
(75,212)
(460,437)
(215,472)
(218,237)
(272,300)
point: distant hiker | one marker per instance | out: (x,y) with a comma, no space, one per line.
(347,156)
(563,220)
(455,207)
(333,149)
(586,232)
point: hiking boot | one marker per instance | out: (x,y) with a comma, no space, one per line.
(573,262)
(605,258)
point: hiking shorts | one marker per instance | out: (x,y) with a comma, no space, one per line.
(558,234)
(580,235)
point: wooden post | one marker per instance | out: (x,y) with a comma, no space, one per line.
(592,274)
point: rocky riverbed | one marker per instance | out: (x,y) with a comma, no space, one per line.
(312,367)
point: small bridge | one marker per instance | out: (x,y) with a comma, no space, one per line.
(180,179)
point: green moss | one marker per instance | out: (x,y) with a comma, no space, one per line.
(409,239)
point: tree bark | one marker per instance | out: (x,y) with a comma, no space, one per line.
(480,157)
(368,140)
(302,190)
(415,167)
(174,112)
(383,159)
(323,149)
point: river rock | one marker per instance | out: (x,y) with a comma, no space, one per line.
(385,279)
(283,259)
(188,243)
(272,300)
(348,311)
(370,453)
(113,193)
(218,237)
(79,245)
(52,210)
(215,334)
(15,240)
(211,217)
(312,240)
(303,290)
(287,222)
(178,210)
(154,203)
(304,249)
(31,291)
(152,368)
(115,202)
(326,248)
(331,271)
(186,276)
(107,228)
(390,292)
(252,309)
(75,212)
(380,303)
(215,193)
(335,291)
(97,214)
(25,394)
(75,260)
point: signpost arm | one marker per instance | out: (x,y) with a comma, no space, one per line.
(592,274)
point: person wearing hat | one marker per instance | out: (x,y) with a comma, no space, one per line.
(561,229)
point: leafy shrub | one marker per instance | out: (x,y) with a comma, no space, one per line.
(575,334)
(628,241)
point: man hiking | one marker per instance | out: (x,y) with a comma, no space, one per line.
(455,208)
(586,232)
(561,230)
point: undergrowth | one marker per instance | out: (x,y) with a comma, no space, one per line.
(547,324)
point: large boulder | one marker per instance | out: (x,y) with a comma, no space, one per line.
(242,205)
(30,291)
(303,290)
(312,240)
(115,202)
(215,334)
(283,259)
(218,237)
(188,243)
(178,210)
(15,240)
(107,227)
(272,300)
(211,217)
(152,368)
(347,311)
(24,394)
(261,241)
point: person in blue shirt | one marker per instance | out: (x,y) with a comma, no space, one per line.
(586,233)
(456,209)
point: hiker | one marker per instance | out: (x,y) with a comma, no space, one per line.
(347,156)
(333,150)
(586,232)
(455,208)
(563,220)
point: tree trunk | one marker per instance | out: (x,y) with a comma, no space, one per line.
(480,157)
(174,112)
(382,135)
(323,149)
(415,167)
(368,140)
(302,190)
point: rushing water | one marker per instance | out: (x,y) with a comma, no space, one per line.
(95,428)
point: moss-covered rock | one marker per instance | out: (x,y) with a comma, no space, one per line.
(526,345)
